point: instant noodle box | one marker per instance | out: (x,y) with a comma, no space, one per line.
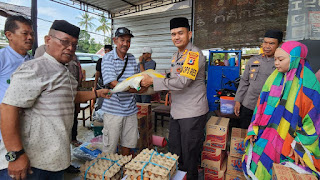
(217,132)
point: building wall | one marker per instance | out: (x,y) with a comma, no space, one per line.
(152,29)
(236,23)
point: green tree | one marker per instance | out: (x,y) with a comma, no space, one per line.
(3,36)
(104,27)
(107,40)
(86,21)
(86,44)
(83,42)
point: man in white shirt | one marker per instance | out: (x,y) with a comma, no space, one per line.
(37,110)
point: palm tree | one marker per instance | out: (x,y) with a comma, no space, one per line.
(86,21)
(104,27)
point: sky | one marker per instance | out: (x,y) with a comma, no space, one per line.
(51,11)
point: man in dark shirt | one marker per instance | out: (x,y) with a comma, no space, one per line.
(98,82)
(145,63)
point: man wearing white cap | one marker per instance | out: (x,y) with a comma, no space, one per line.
(145,63)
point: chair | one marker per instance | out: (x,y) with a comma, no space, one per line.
(83,107)
(162,111)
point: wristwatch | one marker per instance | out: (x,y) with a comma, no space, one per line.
(14,155)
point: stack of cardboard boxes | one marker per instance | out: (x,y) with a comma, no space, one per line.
(237,149)
(213,155)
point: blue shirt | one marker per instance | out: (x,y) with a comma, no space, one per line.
(10,60)
(123,103)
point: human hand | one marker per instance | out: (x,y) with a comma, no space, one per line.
(20,168)
(105,93)
(253,138)
(143,90)
(146,81)
(140,59)
(297,158)
(237,108)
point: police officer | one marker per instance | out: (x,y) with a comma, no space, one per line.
(256,72)
(189,105)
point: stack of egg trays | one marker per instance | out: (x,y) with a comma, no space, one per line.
(156,166)
(106,166)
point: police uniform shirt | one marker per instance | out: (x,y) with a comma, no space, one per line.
(186,83)
(256,72)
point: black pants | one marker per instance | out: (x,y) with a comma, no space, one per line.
(186,137)
(143,98)
(75,126)
(245,117)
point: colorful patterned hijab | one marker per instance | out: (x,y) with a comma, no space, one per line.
(287,116)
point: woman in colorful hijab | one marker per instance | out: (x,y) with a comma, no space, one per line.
(285,126)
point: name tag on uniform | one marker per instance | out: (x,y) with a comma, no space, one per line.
(190,66)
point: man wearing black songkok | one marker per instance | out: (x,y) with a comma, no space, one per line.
(37,110)
(256,72)
(189,98)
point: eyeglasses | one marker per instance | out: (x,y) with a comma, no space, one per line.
(66,43)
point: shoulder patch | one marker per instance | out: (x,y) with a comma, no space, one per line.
(190,66)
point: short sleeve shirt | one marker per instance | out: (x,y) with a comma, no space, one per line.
(45,90)
(10,60)
(149,65)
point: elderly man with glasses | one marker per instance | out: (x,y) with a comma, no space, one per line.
(38,108)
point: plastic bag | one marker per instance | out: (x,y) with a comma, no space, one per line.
(134,82)
(87,151)
(98,115)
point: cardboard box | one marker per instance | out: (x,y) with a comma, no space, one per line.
(234,177)
(212,158)
(144,109)
(280,172)
(145,139)
(234,165)
(217,132)
(144,122)
(210,174)
(237,148)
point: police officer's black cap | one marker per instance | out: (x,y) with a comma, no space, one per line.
(107,47)
(123,31)
(276,34)
(66,27)
(179,22)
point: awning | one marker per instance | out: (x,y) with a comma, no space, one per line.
(117,8)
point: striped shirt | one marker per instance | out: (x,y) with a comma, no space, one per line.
(45,90)
(123,103)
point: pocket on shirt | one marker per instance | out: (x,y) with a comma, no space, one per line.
(254,70)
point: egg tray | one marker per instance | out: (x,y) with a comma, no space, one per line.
(156,166)
(107,165)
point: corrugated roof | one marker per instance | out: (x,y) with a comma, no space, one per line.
(10,9)
(118,8)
